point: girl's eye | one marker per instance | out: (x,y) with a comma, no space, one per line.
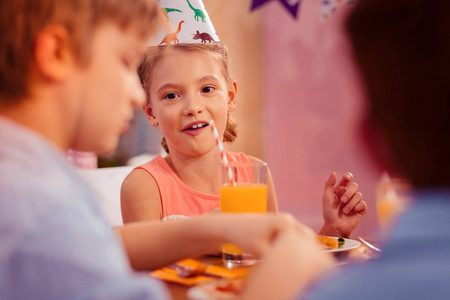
(208,89)
(170,96)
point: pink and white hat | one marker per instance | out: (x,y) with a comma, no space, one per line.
(188,22)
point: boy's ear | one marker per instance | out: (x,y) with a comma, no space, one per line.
(232,95)
(149,114)
(53,53)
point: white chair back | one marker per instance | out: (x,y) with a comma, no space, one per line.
(107,182)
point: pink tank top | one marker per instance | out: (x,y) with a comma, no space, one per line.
(177,199)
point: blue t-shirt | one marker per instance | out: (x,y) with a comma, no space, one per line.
(414,264)
(54,240)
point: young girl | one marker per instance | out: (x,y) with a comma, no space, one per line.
(187,85)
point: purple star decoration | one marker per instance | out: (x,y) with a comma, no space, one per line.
(290,5)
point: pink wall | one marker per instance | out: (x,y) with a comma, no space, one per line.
(312,111)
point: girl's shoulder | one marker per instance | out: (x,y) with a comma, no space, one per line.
(137,178)
(140,177)
(139,197)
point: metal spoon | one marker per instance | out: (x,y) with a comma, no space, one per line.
(369,245)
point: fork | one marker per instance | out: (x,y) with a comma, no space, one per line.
(370,246)
(187,272)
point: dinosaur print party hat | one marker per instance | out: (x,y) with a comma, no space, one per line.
(188,22)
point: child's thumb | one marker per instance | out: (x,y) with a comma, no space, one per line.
(328,194)
(331,180)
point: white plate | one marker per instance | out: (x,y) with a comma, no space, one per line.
(348,245)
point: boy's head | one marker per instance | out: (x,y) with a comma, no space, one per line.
(402,48)
(214,51)
(21,21)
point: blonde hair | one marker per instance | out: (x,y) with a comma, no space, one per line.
(216,51)
(21,21)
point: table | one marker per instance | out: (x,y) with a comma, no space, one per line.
(179,292)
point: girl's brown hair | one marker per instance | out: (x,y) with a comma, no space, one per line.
(216,51)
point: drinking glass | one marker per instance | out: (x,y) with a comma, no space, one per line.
(391,200)
(243,189)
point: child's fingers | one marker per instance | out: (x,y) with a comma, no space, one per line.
(352,203)
(346,179)
(352,188)
(339,190)
(331,180)
(360,208)
(341,187)
(329,187)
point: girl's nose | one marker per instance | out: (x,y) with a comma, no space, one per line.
(193,105)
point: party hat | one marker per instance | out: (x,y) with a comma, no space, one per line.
(189,23)
(328,7)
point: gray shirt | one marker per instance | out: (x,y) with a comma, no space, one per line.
(415,261)
(54,240)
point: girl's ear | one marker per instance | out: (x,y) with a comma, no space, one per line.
(149,114)
(232,95)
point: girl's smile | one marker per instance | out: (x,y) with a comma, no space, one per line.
(195,128)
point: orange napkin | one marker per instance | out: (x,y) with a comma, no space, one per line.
(168,274)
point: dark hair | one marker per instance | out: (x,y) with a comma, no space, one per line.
(216,51)
(402,48)
(21,21)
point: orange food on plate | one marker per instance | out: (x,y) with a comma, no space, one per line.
(235,287)
(330,242)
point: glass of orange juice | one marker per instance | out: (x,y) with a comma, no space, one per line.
(243,189)
(391,199)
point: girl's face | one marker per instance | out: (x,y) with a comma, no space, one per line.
(188,90)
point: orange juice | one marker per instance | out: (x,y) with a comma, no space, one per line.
(391,199)
(388,209)
(242,198)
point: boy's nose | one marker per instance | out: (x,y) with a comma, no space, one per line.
(138,96)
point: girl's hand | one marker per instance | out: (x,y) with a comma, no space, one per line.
(343,207)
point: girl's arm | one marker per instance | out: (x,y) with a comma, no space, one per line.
(139,198)
(272,205)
